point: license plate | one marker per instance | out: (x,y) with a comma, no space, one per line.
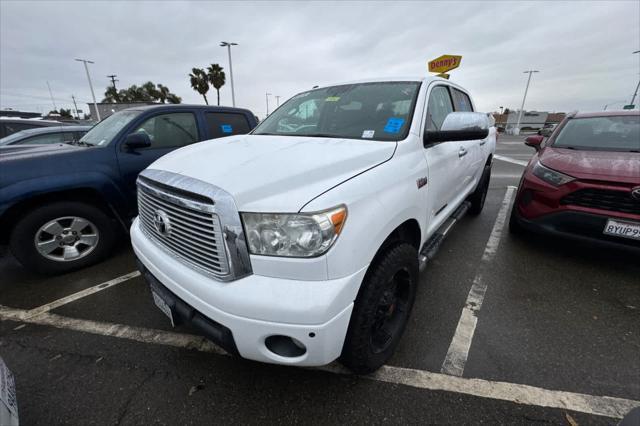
(163,306)
(623,229)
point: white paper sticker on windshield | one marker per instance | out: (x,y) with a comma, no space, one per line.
(368,134)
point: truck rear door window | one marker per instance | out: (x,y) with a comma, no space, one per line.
(222,124)
(461,100)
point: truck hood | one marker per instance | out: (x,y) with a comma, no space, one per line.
(598,165)
(275,173)
(12,152)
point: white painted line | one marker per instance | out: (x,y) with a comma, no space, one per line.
(517,393)
(458,351)
(139,334)
(510,392)
(510,160)
(79,295)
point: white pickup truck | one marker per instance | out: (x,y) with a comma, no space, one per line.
(302,242)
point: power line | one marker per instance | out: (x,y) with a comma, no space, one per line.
(45,98)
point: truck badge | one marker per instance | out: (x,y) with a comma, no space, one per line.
(162,223)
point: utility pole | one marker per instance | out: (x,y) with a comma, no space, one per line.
(524,98)
(633,98)
(75,106)
(277,101)
(228,46)
(55,108)
(95,104)
(113,79)
(267,97)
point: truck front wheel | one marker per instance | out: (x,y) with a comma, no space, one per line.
(381,309)
(480,194)
(60,237)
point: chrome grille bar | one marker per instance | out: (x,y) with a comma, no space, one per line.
(194,232)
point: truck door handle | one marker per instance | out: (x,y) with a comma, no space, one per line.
(462,152)
(483,142)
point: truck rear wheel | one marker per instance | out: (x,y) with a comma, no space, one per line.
(61,237)
(381,309)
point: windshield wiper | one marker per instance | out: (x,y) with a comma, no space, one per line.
(80,143)
(319,135)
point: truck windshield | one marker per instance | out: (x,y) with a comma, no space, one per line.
(102,133)
(377,111)
(607,133)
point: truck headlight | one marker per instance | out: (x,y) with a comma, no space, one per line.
(293,235)
(550,176)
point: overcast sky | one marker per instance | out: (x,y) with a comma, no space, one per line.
(582,49)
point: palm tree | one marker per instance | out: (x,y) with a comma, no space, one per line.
(199,82)
(216,78)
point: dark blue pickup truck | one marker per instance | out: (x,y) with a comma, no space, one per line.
(64,206)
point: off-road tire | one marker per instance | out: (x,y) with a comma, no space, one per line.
(479,196)
(358,353)
(22,245)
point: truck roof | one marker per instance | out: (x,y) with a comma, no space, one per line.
(423,78)
(188,106)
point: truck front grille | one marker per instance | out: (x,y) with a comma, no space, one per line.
(183,225)
(603,199)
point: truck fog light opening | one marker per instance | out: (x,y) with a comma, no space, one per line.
(285,346)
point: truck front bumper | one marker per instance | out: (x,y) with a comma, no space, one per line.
(242,316)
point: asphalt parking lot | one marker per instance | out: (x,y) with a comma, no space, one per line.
(504,330)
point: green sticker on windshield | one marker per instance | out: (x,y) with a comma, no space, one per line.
(332,99)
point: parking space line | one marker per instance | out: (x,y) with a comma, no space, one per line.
(510,160)
(79,295)
(458,351)
(511,392)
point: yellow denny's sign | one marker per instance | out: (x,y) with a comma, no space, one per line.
(444,63)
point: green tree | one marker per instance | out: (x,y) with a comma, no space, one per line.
(216,77)
(148,92)
(163,92)
(111,95)
(173,99)
(65,113)
(199,82)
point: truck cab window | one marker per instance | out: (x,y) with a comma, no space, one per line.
(170,130)
(461,100)
(438,108)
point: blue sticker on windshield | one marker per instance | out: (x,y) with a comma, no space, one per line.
(394,125)
(226,128)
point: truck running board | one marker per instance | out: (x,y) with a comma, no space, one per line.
(432,245)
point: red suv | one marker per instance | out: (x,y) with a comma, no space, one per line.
(584,181)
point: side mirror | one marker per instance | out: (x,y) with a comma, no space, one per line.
(137,140)
(460,126)
(534,141)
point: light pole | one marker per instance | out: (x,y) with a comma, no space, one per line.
(86,68)
(633,98)
(75,106)
(267,97)
(55,108)
(524,98)
(228,46)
